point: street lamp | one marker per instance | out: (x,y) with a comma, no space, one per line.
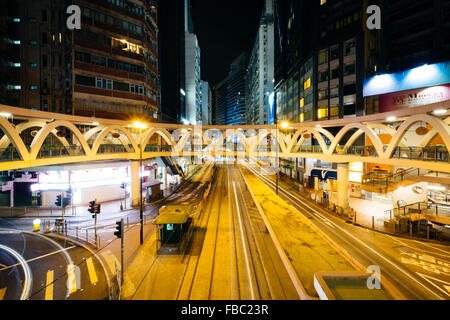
(141,126)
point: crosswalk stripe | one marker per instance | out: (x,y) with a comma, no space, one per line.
(91,270)
(71,279)
(2,293)
(49,285)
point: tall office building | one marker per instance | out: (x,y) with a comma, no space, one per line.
(171,16)
(261,70)
(323,50)
(108,68)
(206,114)
(236,91)
(221,102)
(414,34)
(193,99)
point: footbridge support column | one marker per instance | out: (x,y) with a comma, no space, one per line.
(135,183)
(343,186)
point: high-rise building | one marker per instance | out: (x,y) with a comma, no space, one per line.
(261,70)
(171,16)
(35,55)
(206,103)
(221,102)
(236,91)
(192,79)
(108,68)
(324,51)
(231,94)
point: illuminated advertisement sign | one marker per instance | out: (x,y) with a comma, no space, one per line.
(420,77)
(272,108)
(414,98)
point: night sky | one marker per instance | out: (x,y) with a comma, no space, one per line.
(225,29)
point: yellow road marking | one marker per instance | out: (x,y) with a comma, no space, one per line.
(91,270)
(71,281)
(2,293)
(49,285)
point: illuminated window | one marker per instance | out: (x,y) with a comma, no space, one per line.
(322,113)
(334,112)
(307,84)
(302,102)
(322,2)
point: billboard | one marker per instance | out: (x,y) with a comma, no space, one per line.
(420,77)
(272,108)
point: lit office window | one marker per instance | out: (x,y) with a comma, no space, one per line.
(307,84)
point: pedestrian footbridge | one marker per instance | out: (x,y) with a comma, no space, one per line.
(413,138)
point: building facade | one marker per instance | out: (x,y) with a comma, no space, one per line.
(108,68)
(260,77)
(171,16)
(206,114)
(193,87)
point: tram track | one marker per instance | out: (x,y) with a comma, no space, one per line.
(237,260)
(197,281)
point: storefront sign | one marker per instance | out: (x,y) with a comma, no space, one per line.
(414,98)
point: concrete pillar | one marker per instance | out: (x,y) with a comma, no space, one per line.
(165,179)
(135,183)
(343,186)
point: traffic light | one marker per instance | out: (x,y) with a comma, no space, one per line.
(97,208)
(118,233)
(92,207)
(66,202)
(58,202)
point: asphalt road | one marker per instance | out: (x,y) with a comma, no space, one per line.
(59,269)
(232,256)
(419,270)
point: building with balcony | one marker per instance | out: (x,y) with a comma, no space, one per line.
(108,68)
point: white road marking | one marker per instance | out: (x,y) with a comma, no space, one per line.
(26,287)
(435,285)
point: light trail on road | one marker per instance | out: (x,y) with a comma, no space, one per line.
(321,218)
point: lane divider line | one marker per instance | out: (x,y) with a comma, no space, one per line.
(91,270)
(2,293)
(49,285)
